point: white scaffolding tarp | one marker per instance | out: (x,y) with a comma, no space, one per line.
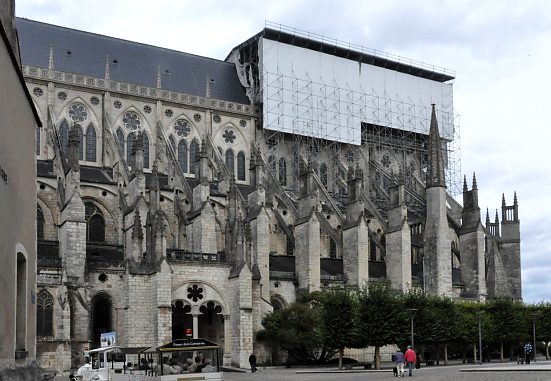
(319,95)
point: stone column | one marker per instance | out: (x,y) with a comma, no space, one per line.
(227,341)
(195,316)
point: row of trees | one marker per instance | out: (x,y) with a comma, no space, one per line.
(322,324)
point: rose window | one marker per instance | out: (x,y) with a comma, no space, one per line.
(77,112)
(182,128)
(229,136)
(195,293)
(131,121)
(197,117)
(216,118)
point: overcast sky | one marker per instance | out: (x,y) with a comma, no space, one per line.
(500,51)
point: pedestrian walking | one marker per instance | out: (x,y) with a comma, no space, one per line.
(411,359)
(399,361)
(252,361)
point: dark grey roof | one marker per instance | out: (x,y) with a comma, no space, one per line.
(136,63)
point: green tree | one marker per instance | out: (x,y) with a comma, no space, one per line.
(379,317)
(338,315)
(295,329)
(506,323)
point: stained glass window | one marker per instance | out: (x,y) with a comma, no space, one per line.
(230,161)
(95,227)
(80,143)
(131,120)
(193,155)
(145,142)
(64,135)
(39,223)
(241,166)
(129,145)
(91,143)
(78,112)
(182,155)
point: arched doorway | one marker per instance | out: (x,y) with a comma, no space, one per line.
(102,317)
(211,323)
(181,319)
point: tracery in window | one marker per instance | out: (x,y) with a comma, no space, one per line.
(241,166)
(78,112)
(182,128)
(80,143)
(182,156)
(44,314)
(95,227)
(129,144)
(131,120)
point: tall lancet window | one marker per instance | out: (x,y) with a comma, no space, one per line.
(91,143)
(182,155)
(230,161)
(95,227)
(241,166)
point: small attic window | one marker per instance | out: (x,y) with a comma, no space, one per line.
(115,61)
(68,52)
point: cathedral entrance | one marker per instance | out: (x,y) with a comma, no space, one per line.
(102,317)
(211,323)
(181,319)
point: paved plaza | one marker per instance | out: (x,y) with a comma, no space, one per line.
(492,372)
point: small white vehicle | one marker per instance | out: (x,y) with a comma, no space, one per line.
(110,363)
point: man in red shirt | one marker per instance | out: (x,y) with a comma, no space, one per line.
(411,359)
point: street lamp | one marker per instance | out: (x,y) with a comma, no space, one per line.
(534,317)
(412,311)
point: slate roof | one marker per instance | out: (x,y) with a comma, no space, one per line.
(85,53)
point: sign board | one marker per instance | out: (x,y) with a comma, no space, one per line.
(108,339)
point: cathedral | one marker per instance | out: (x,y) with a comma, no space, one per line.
(184,195)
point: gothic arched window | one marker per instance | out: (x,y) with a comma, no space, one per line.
(182,155)
(145,142)
(95,227)
(44,314)
(230,161)
(91,143)
(64,135)
(241,166)
(39,223)
(193,155)
(129,145)
(37,137)
(282,176)
(323,174)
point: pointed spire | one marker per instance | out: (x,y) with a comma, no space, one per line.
(515,201)
(137,226)
(158,77)
(154,178)
(475,186)
(107,68)
(496,218)
(465,187)
(74,146)
(503,200)
(487,217)
(435,170)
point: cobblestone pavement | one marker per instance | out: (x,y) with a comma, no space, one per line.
(449,373)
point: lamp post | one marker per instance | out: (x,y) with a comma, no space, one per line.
(412,311)
(534,317)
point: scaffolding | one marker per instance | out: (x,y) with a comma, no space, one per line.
(311,117)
